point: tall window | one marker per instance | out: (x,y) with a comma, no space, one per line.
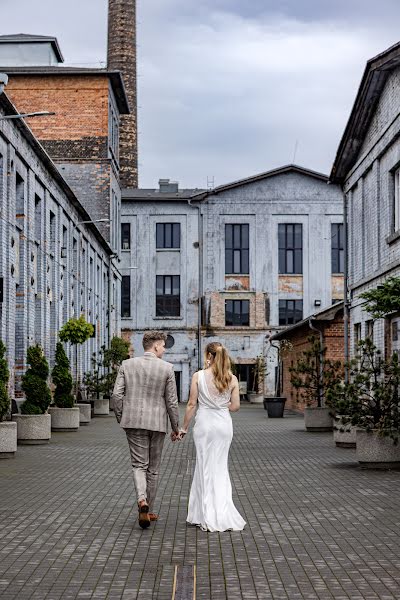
(168,297)
(237,249)
(357,336)
(337,244)
(19,195)
(168,235)
(38,218)
(397,200)
(237,312)
(290,311)
(290,240)
(125,296)
(125,236)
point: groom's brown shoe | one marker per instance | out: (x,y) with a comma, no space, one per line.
(144,519)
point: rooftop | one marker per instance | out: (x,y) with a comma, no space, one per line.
(27,38)
(325,314)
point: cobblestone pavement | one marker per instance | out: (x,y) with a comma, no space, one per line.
(319,527)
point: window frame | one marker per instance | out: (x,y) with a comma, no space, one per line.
(296,307)
(337,248)
(163,227)
(396,208)
(235,302)
(161,299)
(283,250)
(126,225)
(242,249)
(127,280)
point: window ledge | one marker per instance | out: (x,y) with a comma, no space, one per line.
(393,237)
(168,318)
(168,249)
(125,249)
(290,274)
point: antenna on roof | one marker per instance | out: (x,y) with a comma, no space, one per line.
(210,182)
(296,145)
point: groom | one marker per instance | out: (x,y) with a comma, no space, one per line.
(144,397)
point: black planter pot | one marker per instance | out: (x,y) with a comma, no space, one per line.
(274,407)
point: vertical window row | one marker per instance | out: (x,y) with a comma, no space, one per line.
(337,247)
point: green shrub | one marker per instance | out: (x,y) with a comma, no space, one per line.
(34,383)
(113,357)
(4,376)
(62,378)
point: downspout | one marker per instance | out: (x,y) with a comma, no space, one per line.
(345,291)
(200,291)
(321,359)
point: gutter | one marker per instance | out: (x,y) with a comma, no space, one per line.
(321,359)
(201,282)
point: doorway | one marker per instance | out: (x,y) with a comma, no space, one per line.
(178,381)
(245,375)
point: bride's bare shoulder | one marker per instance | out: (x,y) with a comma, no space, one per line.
(195,376)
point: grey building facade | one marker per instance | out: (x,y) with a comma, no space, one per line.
(367,166)
(53,265)
(260,254)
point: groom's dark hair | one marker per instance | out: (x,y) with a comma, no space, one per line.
(153,336)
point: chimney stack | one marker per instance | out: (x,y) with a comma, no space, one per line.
(121,56)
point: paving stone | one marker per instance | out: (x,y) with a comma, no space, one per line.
(319,527)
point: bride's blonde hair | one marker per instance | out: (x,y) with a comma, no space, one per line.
(221,367)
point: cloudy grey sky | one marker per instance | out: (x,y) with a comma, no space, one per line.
(229,88)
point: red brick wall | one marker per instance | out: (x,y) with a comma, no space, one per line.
(334,341)
(79,129)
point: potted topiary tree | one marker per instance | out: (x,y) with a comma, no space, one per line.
(76,332)
(64,415)
(8,429)
(313,375)
(34,422)
(275,405)
(373,406)
(256,396)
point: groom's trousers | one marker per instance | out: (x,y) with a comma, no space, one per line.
(145,448)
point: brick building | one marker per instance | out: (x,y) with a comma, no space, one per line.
(367,166)
(54,263)
(260,253)
(327,324)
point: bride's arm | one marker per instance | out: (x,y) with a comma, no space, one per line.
(234,404)
(192,403)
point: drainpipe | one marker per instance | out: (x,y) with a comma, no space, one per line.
(346,305)
(321,359)
(201,286)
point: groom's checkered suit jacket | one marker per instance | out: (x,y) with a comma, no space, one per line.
(145,395)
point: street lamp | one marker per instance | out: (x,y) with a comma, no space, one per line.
(41,113)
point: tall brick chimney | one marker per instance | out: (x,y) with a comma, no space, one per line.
(121,55)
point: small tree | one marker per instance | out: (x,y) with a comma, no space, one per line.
(314,374)
(4,376)
(62,378)
(371,399)
(113,357)
(384,299)
(259,374)
(76,331)
(34,383)
(94,380)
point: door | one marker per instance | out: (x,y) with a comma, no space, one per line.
(178,380)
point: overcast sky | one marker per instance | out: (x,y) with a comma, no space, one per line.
(229,88)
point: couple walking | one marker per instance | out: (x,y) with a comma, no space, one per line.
(145,396)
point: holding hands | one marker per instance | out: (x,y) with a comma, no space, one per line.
(178,436)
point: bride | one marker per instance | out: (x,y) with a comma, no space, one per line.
(216,391)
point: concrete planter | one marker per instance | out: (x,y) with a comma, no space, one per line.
(376,452)
(345,438)
(33,429)
(85,413)
(101,407)
(8,439)
(317,419)
(64,419)
(255,397)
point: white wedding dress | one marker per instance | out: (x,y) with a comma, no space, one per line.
(210,503)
